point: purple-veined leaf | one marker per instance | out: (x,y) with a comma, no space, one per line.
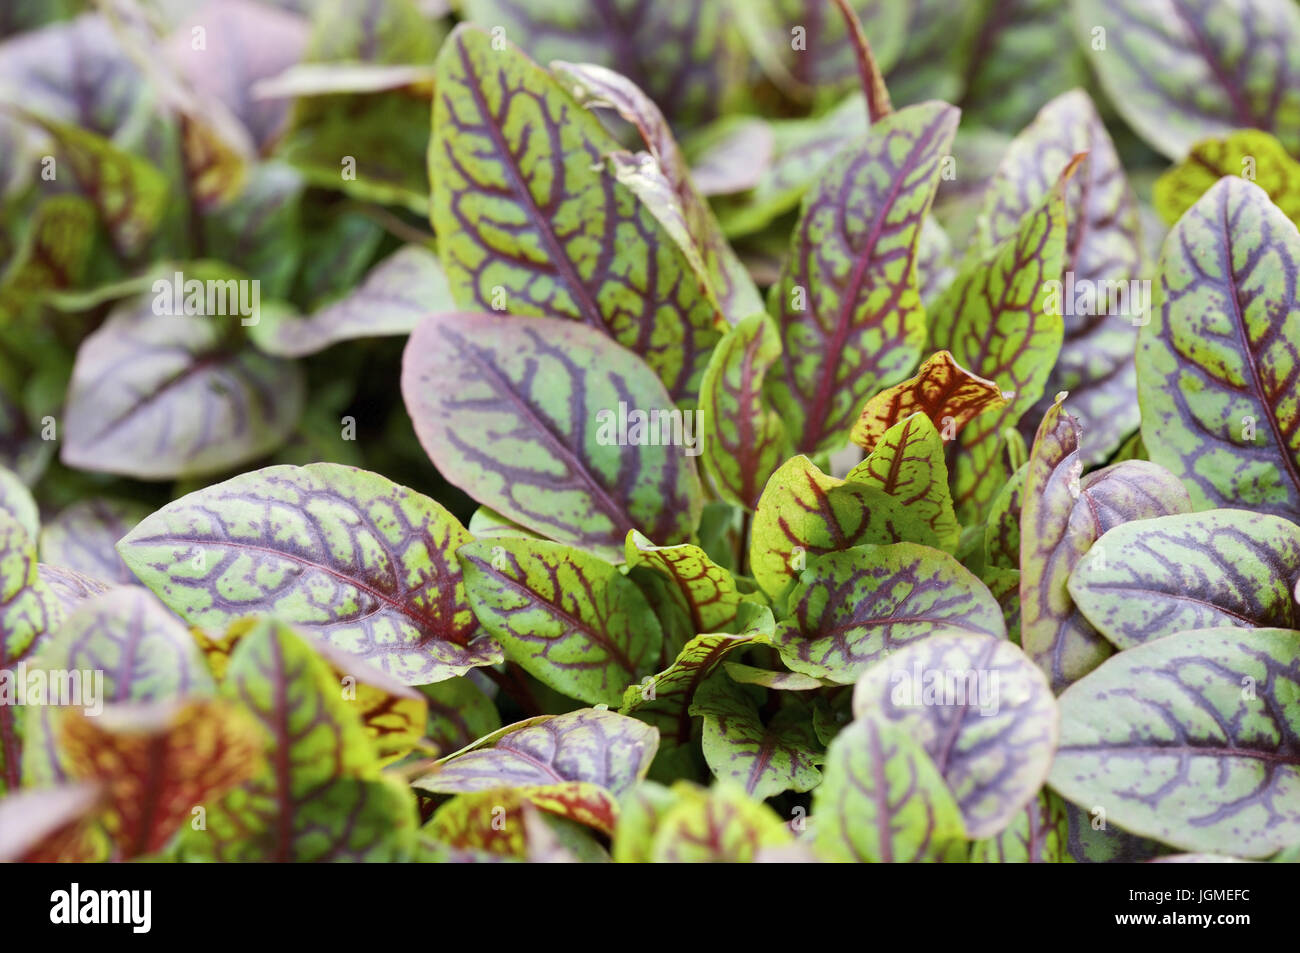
(764,756)
(815,49)
(158,396)
(70,587)
(570,620)
(82,537)
(982,711)
(396,294)
(1155,577)
(1062,516)
(320,795)
(994,320)
(1039,834)
(941,388)
(685,56)
(857,606)
(1095,840)
(507,824)
(1099,301)
(907,463)
(16,500)
(781,681)
(140,653)
(1190,739)
(640,811)
(804,513)
(883,799)
(345,554)
(605,752)
(1248,153)
(157,761)
(847,303)
(596,86)
(533,223)
(705,590)
(29,612)
(664,699)
(1181,70)
(554,426)
(1002,530)
(718,825)
(257,40)
(1217,364)
(742,436)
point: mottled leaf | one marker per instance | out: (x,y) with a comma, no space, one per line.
(1190,739)
(157,396)
(741,435)
(907,463)
(156,762)
(720,825)
(995,321)
(982,711)
(704,589)
(1217,365)
(527,416)
(569,619)
(1155,577)
(854,607)
(1181,70)
(847,303)
(347,555)
(16,500)
(764,756)
(533,223)
(804,513)
(1039,834)
(945,391)
(1002,531)
(1249,153)
(883,799)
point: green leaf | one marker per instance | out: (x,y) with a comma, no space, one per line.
(847,303)
(720,825)
(994,320)
(1155,577)
(855,607)
(1098,300)
(578,431)
(765,758)
(1216,364)
(158,396)
(140,652)
(1002,531)
(804,513)
(395,295)
(82,537)
(883,800)
(1039,834)
(1190,739)
(569,619)
(1062,516)
(559,236)
(53,253)
(547,757)
(29,612)
(705,590)
(349,556)
(1249,153)
(907,463)
(320,796)
(982,711)
(742,436)
(459,712)
(1181,70)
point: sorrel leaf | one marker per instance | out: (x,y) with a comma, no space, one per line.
(349,556)
(567,457)
(1039,834)
(1156,577)
(83,536)
(1249,153)
(705,590)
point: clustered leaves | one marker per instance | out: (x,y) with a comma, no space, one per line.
(794,431)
